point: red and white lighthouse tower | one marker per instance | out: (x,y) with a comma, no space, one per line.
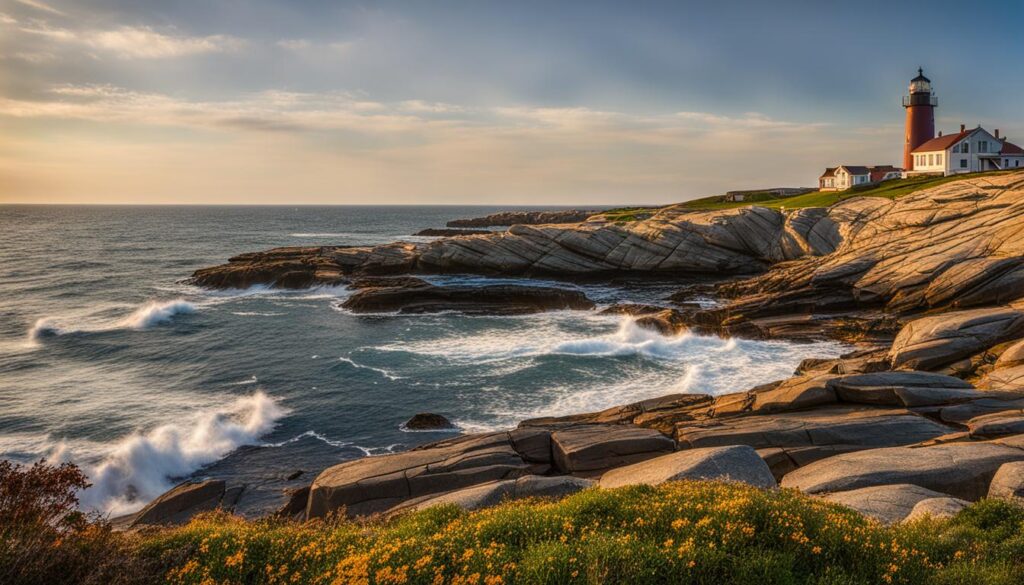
(920,105)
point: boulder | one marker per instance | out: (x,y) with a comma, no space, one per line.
(1008,482)
(938,508)
(794,394)
(938,340)
(428,421)
(500,299)
(591,448)
(886,503)
(962,470)
(179,504)
(375,484)
(294,507)
(667,322)
(735,463)
(494,493)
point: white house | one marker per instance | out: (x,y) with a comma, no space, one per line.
(968,151)
(846,176)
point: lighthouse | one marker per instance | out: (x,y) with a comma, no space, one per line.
(920,105)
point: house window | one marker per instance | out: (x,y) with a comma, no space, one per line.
(963,163)
(938,159)
(983,146)
(931,159)
(965,147)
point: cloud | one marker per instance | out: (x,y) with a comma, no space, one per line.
(7,19)
(40,6)
(342,146)
(139,42)
(294,44)
(306,45)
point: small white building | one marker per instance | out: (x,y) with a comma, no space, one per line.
(968,151)
(844,177)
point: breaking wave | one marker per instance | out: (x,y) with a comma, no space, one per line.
(146,316)
(142,466)
(42,329)
(155,313)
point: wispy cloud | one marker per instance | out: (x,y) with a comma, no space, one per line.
(7,19)
(139,42)
(304,111)
(41,6)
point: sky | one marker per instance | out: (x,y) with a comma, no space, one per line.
(477,102)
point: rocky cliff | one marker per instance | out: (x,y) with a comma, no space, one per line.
(929,415)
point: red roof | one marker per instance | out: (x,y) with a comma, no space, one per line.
(942,142)
(1011,148)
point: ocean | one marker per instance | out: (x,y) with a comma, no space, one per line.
(108,360)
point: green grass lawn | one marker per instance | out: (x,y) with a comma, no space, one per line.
(686,532)
(889,189)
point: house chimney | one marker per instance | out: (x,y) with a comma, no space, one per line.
(940,133)
(997,133)
(963,127)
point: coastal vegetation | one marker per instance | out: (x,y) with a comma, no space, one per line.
(892,189)
(679,532)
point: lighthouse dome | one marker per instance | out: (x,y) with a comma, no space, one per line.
(920,84)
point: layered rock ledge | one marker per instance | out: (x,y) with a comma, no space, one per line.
(927,416)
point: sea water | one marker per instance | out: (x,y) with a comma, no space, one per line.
(109,361)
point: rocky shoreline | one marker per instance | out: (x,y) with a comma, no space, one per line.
(926,415)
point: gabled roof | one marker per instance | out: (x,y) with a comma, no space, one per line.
(829,172)
(942,142)
(856,170)
(1011,148)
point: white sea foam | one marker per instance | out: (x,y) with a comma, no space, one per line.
(546,338)
(312,435)
(141,466)
(360,366)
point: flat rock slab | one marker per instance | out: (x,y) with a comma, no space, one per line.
(999,424)
(906,388)
(938,340)
(886,503)
(1006,378)
(963,470)
(1008,482)
(491,300)
(494,493)
(589,448)
(735,463)
(991,402)
(810,435)
(376,484)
